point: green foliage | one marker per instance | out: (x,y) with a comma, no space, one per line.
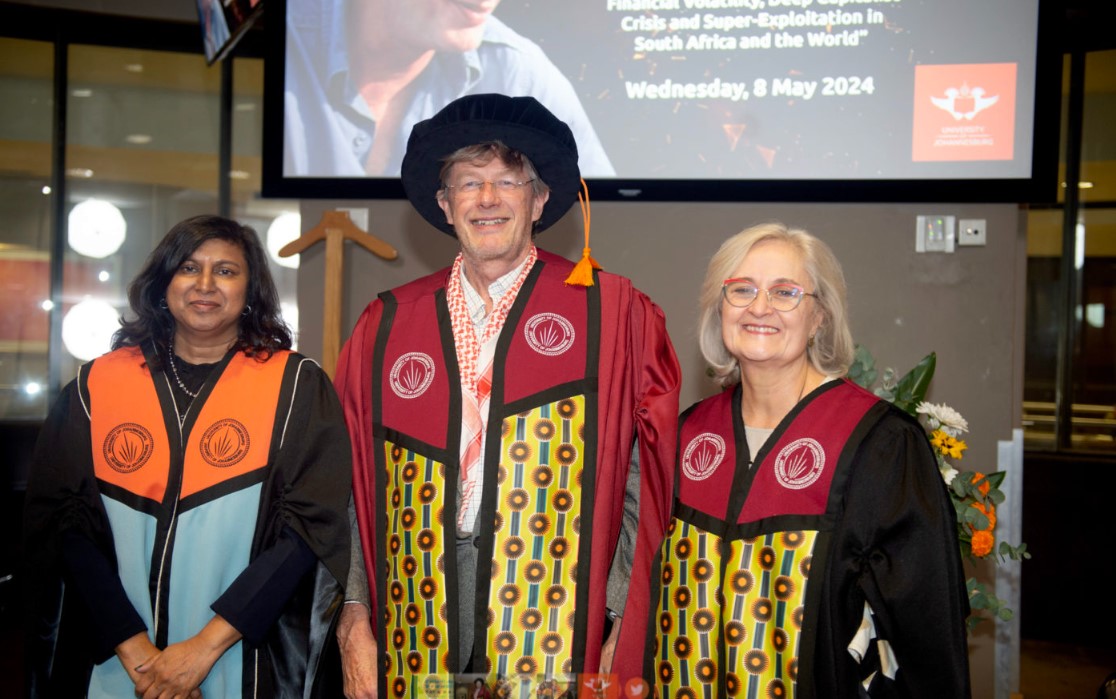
(911,389)
(907,392)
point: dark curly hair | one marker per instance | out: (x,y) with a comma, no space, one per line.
(261,332)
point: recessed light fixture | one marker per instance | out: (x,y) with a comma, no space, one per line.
(238,175)
(83,172)
(81,92)
(139,139)
(1081,185)
(133,67)
(47,189)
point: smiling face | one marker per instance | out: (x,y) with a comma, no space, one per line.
(493,225)
(759,335)
(207,293)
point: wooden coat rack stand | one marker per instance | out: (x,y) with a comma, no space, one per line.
(335,228)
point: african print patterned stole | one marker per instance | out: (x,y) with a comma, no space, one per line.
(736,610)
(539,466)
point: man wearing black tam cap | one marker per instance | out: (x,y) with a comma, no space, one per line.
(493,408)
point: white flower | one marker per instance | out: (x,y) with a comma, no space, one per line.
(948,474)
(944,418)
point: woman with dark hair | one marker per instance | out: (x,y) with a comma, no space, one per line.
(260,329)
(190,489)
(813,549)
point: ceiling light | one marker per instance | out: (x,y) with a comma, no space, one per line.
(139,139)
(239,174)
(82,172)
(87,328)
(133,67)
(82,92)
(96,228)
(285,228)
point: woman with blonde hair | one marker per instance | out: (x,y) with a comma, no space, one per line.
(813,549)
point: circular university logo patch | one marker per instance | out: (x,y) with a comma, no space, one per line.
(225,443)
(703,455)
(411,374)
(549,334)
(128,447)
(800,463)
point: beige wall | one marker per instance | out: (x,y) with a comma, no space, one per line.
(967,306)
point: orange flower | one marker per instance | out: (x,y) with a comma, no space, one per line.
(985,486)
(989,512)
(982,543)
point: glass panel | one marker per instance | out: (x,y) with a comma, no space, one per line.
(141,155)
(1098,144)
(1094,375)
(1092,393)
(276,220)
(1044,245)
(26,75)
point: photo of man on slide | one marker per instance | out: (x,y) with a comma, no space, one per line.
(360,73)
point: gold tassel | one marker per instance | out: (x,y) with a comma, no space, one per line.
(582,274)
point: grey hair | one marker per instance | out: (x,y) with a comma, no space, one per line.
(484,153)
(832,350)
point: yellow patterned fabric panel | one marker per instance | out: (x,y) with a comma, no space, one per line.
(415,613)
(764,596)
(689,627)
(534,576)
(760,621)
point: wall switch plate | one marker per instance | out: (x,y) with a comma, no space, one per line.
(972,231)
(358,216)
(935,233)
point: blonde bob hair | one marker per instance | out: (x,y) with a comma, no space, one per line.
(832,349)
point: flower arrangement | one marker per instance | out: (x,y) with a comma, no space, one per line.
(975,495)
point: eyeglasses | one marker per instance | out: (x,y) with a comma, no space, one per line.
(781,297)
(472,187)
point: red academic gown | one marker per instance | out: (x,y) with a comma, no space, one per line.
(770,558)
(579,372)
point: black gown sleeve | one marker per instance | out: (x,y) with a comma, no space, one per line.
(311,479)
(92,576)
(896,548)
(308,489)
(67,535)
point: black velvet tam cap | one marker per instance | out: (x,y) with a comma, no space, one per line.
(521,123)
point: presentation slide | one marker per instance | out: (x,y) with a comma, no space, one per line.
(678,89)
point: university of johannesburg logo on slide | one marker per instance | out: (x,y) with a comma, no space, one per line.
(964,112)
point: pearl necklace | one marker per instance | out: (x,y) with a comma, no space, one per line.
(174,370)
